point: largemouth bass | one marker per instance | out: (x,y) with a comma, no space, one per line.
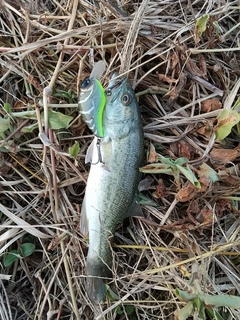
(112,182)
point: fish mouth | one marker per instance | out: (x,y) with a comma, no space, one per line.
(115,83)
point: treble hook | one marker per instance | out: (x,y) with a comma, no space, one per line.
(99,152)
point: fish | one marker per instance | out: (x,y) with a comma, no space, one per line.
(92,100)
(112,182)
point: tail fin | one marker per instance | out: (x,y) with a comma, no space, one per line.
(96,289)
(97,271)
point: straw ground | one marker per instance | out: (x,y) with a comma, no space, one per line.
(182,59)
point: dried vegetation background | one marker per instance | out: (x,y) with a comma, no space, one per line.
(183,80)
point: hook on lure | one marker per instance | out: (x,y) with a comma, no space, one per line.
(92,100)
(99,153)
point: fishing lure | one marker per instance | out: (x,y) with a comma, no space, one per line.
(92,100)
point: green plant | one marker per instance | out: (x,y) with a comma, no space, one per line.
(229,116)
(69,95)
(74,150)
(172,167)
(227,119)
(57,120)
(25,250)
(201,25)
(128,309)
(202,304)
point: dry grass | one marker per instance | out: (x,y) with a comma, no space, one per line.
(53,45)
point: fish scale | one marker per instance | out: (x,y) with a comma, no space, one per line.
(112,183)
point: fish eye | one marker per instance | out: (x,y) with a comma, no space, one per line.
(85,83)
(126,99)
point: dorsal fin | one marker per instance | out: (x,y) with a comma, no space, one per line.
(98,70)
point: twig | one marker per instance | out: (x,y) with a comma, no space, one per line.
(132,37)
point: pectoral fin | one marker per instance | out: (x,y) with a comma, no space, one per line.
(89,154)
(134,210)
(83,219)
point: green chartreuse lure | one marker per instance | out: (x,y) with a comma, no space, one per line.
(92,100)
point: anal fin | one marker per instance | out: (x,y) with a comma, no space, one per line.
(134,210)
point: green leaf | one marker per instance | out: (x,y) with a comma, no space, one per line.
(216,27)
(30,114)
(74,150)
(187,172)
(11,257)
(27,249)
(111,294)
(236,104)
(156,168)
(185,296)
(206,170)
(185,312)
(169,166)
(68,95)
(238,128)
(221,300)
(58,120)
(200,307)
(180,161)
(4,124)
(167,161)
(7,107)
(227,119)
(30,128)
(8,146)
(201,24)
(213,314)
(129,309)
(119,310)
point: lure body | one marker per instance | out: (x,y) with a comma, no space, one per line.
(91,104)
(92,99)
